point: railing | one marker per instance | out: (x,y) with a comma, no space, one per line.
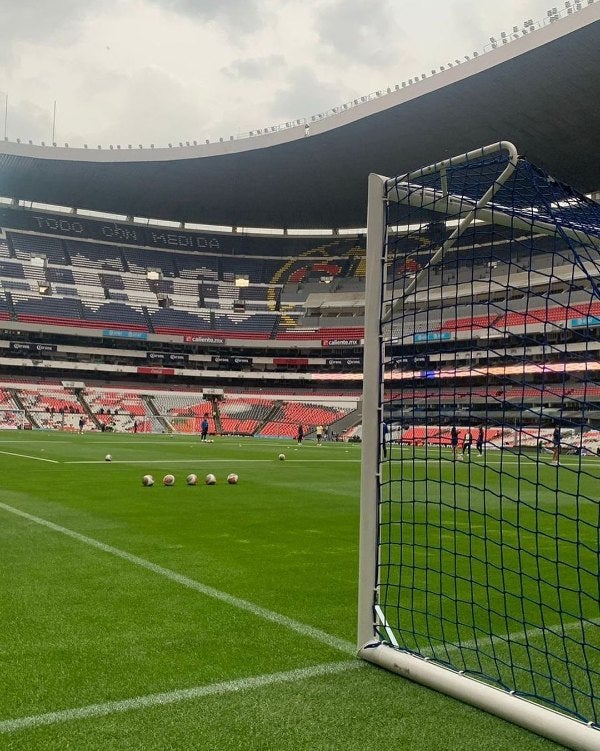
(527,27)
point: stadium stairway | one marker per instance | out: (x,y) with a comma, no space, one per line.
(87,410)
(154,411)
(68,260)
(28,416)
(216,415)
(148,319)
(124,260)
(269,416)
(10,305)
(11,247)
(351,420)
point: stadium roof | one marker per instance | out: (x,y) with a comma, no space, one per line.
(540,91)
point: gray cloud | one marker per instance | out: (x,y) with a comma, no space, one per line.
(254,68)
(303,95)
(236,15)
(54,23)
(367,33)
(27,120)
(158,100)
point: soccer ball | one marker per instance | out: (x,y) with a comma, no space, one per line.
(147,481)
(108,458)
(169,480)
(192,479)
(232,478)
(281,457)
(210,480)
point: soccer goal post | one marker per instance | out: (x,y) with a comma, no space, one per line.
(480,511)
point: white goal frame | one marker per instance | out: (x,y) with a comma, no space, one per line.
(528,714)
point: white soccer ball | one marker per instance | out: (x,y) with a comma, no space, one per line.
(281,457)
(108,458)
(192,479)
(232,478)
(147,481)
(210,479)
(169,480)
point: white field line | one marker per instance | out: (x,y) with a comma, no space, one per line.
(520,638)
(173,697)
(27,456)
(202,459)
(474,463)
(161,462)
(301,628)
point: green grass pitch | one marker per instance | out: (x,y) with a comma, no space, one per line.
(197,617)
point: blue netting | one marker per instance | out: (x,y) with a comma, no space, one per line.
(488,549)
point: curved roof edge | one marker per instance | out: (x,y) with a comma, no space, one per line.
(386,100)
(540,92)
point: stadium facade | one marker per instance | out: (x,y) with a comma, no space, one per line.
(87,296)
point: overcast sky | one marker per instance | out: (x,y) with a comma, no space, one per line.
(159,71)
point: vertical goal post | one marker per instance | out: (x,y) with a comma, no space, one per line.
(482,281)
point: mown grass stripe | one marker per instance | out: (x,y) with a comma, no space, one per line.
(173,697)
(301,628)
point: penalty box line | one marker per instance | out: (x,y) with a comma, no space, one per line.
(269,615)
(174,697)
(27,456)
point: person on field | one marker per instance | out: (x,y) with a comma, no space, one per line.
(454,440)
(480,440)
(467,441)
(556,445)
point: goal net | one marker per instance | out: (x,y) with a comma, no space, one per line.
(480,510)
